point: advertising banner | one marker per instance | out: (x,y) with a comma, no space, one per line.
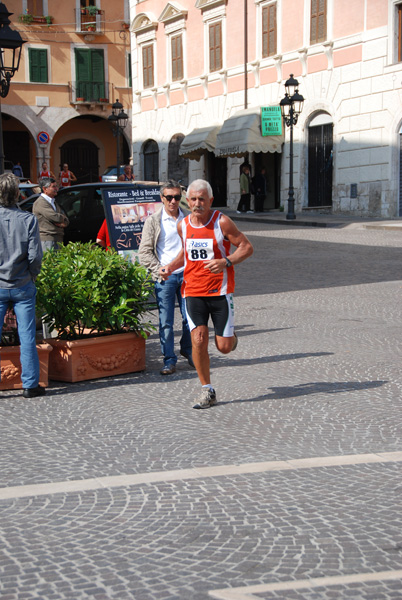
(126,211)
(271,120)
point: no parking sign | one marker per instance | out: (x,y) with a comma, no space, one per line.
(43,137)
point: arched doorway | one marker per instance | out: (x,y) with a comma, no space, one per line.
(177,165)
(82,159)
(400,174)
(320,153)
(19,145)
(151,161)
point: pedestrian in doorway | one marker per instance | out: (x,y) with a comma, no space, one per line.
(20,264)
(260,189)
(51,217)
(17,170)
(160,244)
(66,177)
(244,203)
(208,280)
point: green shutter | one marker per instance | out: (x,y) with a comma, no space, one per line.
(90,74)
(38,65)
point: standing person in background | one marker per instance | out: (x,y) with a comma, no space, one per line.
(127,174)
(51,217)
(260,189)
(66,177)
(160,244)
(46,172)
(208,280)
(17,170)
(20,263)
(244,203)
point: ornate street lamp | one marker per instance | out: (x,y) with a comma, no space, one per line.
(291,107)
(119,120)
(10,55)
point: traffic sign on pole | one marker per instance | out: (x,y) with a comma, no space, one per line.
(43,137)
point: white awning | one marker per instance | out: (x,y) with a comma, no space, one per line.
(199,141)
(241,133)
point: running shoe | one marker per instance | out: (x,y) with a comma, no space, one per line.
(206,399)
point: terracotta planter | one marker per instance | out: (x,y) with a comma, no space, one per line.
(11,366)
(96,357)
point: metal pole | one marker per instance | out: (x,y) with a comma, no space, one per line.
(245,54)
(118,149)
(1,144)
(291,197)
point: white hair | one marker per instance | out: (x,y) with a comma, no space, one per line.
(200,184)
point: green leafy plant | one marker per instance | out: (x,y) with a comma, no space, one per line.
(49,19)
(26,18)
(84,290)
(92,10)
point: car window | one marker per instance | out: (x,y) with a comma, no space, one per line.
(71,201)
(25,192)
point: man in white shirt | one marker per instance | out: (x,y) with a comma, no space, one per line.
(160,244)
(51,217)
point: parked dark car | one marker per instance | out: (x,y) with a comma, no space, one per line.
(83,204)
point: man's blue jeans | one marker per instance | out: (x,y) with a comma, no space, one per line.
(23,299)
(166,293)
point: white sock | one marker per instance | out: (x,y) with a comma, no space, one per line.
(208,385)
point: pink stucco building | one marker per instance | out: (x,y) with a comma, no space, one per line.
(74,65)
(196,64)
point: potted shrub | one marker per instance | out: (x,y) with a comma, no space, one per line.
(92,10)
(95,302)
(10,356)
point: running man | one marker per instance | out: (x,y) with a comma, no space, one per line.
(208,281)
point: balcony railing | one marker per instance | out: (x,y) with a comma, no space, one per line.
(88,22)
(89,92)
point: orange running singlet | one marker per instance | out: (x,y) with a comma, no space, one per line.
(200,244)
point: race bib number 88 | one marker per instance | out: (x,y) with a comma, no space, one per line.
(200,249)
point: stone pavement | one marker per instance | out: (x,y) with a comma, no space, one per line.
(289,488)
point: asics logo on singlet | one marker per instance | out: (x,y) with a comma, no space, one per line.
(198,244)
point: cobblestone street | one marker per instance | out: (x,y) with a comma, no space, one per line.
(289,488)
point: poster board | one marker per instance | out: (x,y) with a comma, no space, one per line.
(126,210)
(271,120)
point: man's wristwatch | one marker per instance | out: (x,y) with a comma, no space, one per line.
(228,263)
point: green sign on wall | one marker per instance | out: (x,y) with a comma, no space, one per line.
(271,120)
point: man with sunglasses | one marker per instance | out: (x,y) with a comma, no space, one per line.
(160,244)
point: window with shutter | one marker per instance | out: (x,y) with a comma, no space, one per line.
(269,30)
(90,74)
(148,66)
(318,22)
(215,46)
(177,58)
(38,65)
(35,7)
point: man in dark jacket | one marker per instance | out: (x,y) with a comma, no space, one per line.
(51,217)
(20,263)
